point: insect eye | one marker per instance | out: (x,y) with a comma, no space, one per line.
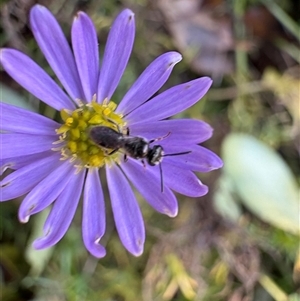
(155,155)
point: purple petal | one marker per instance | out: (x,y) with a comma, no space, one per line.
(56,49)
(26,178)
(85,47)
(62,213)
(182,181)
(127,214)
(15,145)
(200,159)
(172,101)
(93,216)
(19,162)
(148,184)
(34,79)
(15,119)
(149,82)
(184,131)
(117,51)
(45,193)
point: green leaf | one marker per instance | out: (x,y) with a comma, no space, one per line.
(38,259)
(9,96)
(294,297)
(263,181)
(224,201)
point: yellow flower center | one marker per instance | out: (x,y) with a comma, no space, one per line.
(75,133)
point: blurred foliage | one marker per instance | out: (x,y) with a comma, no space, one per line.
(229,245)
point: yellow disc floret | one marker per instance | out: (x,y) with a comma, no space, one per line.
(75,133)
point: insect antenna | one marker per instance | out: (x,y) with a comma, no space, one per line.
(161,179)
(160,167)
(177,154)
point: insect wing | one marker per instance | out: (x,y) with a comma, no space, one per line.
(106,137)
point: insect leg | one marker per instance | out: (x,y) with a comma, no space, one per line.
(159,138)
(112,152)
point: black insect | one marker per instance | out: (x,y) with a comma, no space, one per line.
(135,147)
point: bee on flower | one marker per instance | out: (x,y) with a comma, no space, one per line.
(57,163)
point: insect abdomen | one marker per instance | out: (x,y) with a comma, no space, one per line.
(106,137)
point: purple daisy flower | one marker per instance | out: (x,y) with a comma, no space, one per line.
(55,163)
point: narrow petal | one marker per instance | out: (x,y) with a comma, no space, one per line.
(85,47)
(149,185)
(62,213)
(117,51)
(17,120)
(45,193)
(172,101)
(184,131)
(127,214)
(19,162)
(34,79)
(200,159)
(56,49)
(93,215)
(15,145)
(149,82)
(183,181)
(26,178)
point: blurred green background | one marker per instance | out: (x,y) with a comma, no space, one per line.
(238,243)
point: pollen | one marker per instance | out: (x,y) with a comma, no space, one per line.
(74,134)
